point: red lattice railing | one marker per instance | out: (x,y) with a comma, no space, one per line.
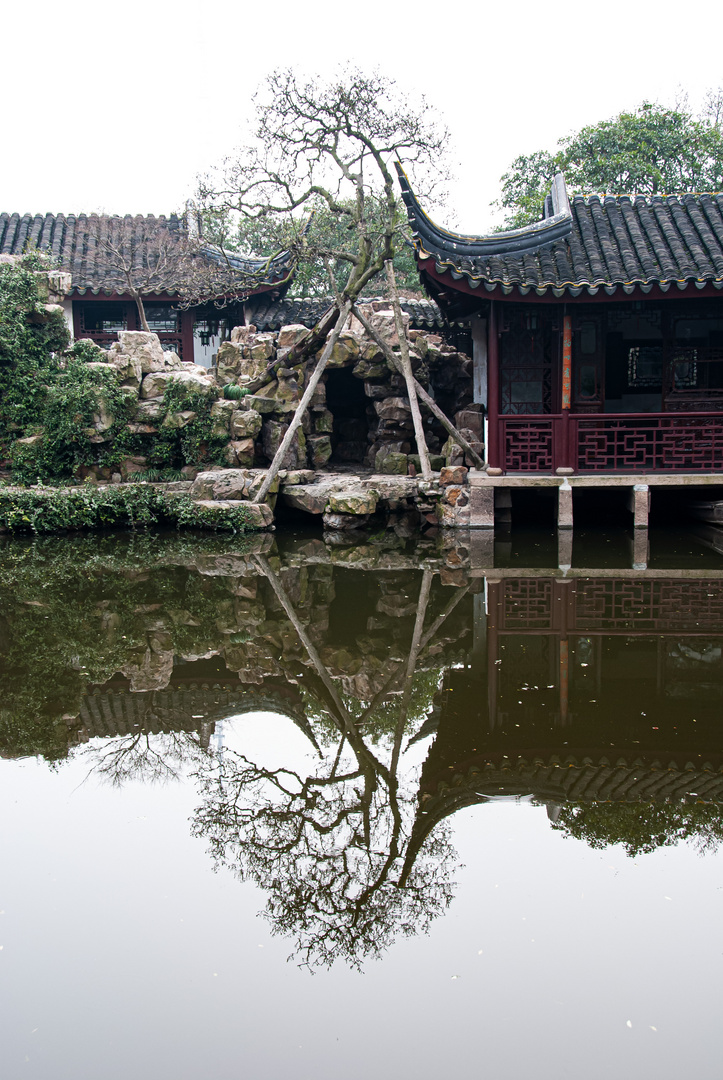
(611,606)
(649,442)
(528,445)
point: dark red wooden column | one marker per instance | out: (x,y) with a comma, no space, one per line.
(493,390)
(186,320)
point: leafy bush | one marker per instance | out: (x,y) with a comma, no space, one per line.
(195,442)
(127,505)
(30,340)
(76,397)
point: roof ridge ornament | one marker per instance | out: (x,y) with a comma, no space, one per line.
(431,238)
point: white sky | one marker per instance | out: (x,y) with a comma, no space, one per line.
(117,107)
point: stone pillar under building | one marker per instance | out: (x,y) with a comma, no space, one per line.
(481,500)
(564,506)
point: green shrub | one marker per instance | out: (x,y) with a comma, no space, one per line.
(234,392)
(75,397)
(31,338)
(118,506)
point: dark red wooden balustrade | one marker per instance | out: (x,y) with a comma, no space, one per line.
(610,443)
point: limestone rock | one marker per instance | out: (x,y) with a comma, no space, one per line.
(221,413)
(393,408)
(241,335)
(453,475)
(245,423)
(229,484)
(344,522)
(319,450)
(260,402)
(272,434)
(221,485)
(30,440)
(260,516)
(324,422)
(148,411)
(310,498)
(244,451)
(436,462)
(345,351)
(353,502)
(132,465)
(299,476)
(291,335)
(391,464)
(261,347)
(452,452)
(366,370)
(145,348)
(384,324)
(155,384)
(151,671)
(178,420)
(471,419)
(235,363)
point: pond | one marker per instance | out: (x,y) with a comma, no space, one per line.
(279,806)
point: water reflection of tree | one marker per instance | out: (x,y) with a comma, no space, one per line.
(329,847)
(146,756)
(644,827)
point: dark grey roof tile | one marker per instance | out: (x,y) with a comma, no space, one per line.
(600,242)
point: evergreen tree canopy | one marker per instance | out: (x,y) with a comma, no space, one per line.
(649,151)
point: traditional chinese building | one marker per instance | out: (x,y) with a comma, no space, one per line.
(99,304)
(598,331)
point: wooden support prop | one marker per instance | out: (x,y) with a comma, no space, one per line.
(406,365)
(304,403)
(421,392)
(422,603)
(344,717)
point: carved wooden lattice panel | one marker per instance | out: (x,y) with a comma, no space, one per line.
(527,604)
(650,444)
(640,606)
(528,445)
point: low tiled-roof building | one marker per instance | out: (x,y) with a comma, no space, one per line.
(598,330)
(165,252)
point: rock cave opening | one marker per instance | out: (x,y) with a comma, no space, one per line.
(347,402)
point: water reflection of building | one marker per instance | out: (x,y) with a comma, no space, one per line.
(185,706)
(583,691)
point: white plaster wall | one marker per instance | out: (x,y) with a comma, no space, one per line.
(205,354)
(67,306)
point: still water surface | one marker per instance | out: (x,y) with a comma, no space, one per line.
(395,808)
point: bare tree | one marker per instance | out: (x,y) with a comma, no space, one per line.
(143,256)
(334,143)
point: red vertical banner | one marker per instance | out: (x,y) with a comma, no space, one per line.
(566,360)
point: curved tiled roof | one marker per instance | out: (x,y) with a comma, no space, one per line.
(74,244)
(561,779)
(273,314)
(607,242)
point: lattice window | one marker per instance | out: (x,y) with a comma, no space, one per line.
(526,366)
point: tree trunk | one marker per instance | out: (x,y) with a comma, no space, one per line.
(304,403)
(141,312)
(425,397)
(406,365)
